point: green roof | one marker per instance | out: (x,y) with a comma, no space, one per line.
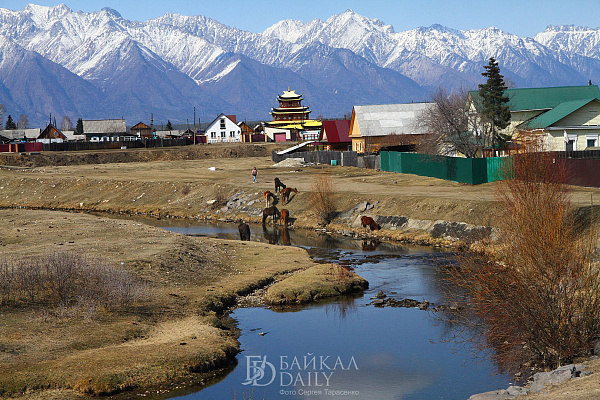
(545,98)
(556,114)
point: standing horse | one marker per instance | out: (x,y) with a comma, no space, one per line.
(268,196)
(270,211)
(279,186)
(370,222)
(244,231)
(285,194)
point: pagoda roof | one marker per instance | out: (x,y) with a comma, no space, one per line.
(280,111)
(290,95)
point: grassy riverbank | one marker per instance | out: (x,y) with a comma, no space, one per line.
(173,333)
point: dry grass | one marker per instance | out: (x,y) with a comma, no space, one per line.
(318,282)
(173,335)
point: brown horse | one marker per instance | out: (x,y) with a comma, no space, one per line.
(370,222)
(285,216)
(270,211)
(279,186)
(268,196)
(244,231)
(285,194)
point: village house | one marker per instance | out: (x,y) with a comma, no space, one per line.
(376,126)
(25,135)
(51,134)
(223,129)
(104,129)
(141,130)
(565,118)
(334,135)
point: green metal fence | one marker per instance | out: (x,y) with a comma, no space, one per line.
(473,171)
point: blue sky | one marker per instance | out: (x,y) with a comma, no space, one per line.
(520,17)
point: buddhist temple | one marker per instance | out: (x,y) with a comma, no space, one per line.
(292,118)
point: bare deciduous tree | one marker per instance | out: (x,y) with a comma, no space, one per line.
(23,121)
(448,124)
(66,124)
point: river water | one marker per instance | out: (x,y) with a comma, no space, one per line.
(348,349)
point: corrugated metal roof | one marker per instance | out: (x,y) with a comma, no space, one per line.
(104,126)
(390,119)
(544,98)
(556,114)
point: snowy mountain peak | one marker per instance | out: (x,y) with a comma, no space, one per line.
(112,12)
(569,28)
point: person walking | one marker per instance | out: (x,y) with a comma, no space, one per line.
(254,174)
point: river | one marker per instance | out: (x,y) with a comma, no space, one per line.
(348,349)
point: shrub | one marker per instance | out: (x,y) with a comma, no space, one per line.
(539,295)
(323,199)
(67,279)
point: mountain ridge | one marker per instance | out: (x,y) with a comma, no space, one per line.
(169,65)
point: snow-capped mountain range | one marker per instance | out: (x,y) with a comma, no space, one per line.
(99,65)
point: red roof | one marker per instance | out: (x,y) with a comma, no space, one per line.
(336,131)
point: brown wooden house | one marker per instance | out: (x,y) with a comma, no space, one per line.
(52,133)
(141,130)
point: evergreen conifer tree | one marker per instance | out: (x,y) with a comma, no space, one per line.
(169,126)
(494,106)
(10,124)
(79,127)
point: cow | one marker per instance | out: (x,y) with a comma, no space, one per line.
(285,216)
(268,196)
(279,186)
(270,211)
(244,231)
(370,222)
(285,194)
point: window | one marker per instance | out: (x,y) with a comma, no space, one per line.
(213,135)
(222,123)
(223,134)
(231,133)
(591,140)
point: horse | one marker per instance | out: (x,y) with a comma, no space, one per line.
(285,216)
(370,222)
(244,231)
(268,196)
(279,186)
(273,211)
(285,194)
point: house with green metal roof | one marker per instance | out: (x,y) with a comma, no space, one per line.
(566,117)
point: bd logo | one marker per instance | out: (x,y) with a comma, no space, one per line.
(259,372)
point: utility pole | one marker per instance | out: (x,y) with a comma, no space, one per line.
(195,129)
